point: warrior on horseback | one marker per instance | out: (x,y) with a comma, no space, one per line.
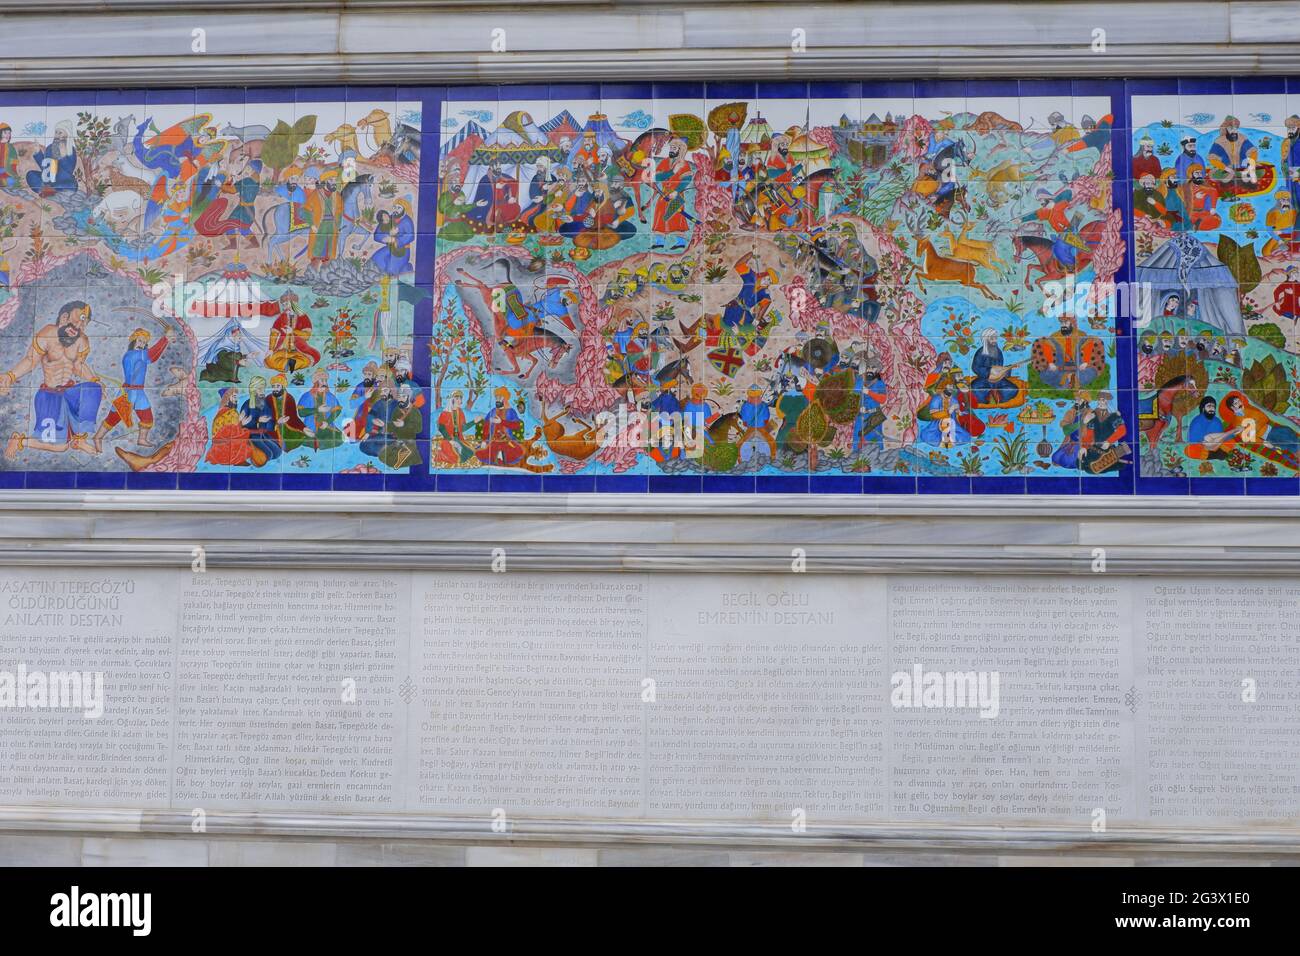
(293,216)
(517,325)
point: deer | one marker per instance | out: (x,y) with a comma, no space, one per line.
(980,251)
(942,269)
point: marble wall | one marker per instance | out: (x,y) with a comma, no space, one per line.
(753,707)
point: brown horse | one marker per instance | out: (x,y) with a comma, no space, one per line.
(1046,259)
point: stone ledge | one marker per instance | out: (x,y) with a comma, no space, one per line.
(435,504)
(462,830)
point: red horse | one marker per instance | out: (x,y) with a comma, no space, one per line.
(1048,253)
(527,337)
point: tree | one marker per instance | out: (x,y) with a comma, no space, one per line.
(1270,333)
(92,140)
(1241,262)
(453,349)
(1267,384)
(281,147)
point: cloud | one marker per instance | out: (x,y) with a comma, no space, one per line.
(637,119)
(479,116)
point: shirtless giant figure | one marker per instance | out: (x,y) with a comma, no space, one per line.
(67,402)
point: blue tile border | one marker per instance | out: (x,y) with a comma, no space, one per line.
(728,484)
(623,484)
(569,484)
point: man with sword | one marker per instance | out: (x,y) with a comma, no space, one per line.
(133,400)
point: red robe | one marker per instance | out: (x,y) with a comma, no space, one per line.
(1146,165)
(1286,299)
(505,202)
(446,451)
(230,444)
(671,179)
(289,335)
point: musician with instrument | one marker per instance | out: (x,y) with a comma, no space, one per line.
(1102,438)
(1241,424)
(989,382)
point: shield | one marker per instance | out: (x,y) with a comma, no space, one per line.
(820,353)
(728,361)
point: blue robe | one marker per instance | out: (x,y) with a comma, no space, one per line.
(932,431)
(741,309)
(867,408)
(71,409)
(754,415)
(696,415)
(981,365)
(135,365)
(1067,456)
(1202,426)
(551,304)
(381,413)
(401,235)
(165,157)
(261,428)
(483,193)
(1218,152)
(307,410)
(1291,160)
(1183,162)
(65,177)
(664,406)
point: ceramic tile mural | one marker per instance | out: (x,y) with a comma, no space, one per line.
(1216,183)
(209,287)
(776,286)
(1004,287)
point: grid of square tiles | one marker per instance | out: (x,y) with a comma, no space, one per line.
(1037,107)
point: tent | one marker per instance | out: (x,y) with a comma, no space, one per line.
(1183,267)
(757,135)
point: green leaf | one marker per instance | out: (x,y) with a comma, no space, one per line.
(1241,262)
